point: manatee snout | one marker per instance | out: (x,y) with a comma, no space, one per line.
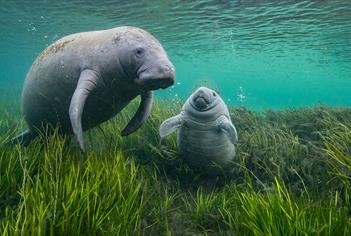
(201,98)
(155,77)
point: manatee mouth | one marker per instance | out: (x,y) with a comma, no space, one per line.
(153,84)
(156,78)
(201,102)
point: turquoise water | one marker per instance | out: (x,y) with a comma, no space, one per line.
(263,54)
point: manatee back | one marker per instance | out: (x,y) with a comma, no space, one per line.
(53,76)
(201,145)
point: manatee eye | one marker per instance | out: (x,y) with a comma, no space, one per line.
(139,52)
(214,94)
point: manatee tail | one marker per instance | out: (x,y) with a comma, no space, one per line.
(25,138)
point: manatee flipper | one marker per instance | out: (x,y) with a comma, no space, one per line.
(141,115)
(87,82)
(226,125)
(25,138)
(170,125)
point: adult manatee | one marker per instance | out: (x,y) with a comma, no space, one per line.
(84,79)
(206,135)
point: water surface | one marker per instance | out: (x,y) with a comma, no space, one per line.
(257,53)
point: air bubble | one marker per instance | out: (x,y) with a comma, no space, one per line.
(55,37)
(62,64)
(241,96)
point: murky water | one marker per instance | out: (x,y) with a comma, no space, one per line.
(257,53)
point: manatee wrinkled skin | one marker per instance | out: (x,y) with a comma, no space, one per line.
(206,135)
(86,78)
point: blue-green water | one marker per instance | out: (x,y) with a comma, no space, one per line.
(257,53)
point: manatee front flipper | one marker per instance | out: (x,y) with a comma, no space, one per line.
(170,125)
(226,125)
(25,138)
(141,115)
(87,82)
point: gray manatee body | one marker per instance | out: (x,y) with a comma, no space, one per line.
(84,79)
(206,135)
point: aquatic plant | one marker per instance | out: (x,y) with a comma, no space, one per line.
(291,176)
(338,147)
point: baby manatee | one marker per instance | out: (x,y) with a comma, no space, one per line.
(206,135)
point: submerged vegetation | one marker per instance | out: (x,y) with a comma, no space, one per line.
(291,176)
